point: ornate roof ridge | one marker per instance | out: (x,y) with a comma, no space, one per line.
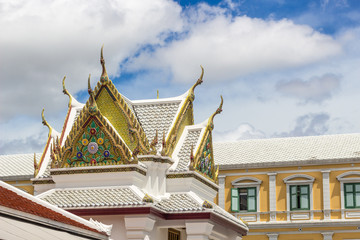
(73,103)
(204,153)
(185,105)
(40,167)
(160,100)
(132,119)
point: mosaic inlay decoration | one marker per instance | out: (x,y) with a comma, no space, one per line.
(93,148)
(205,164)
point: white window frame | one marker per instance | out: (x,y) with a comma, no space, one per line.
(255,182)
(309,180)
(342,178)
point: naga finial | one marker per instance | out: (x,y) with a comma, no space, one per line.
(218,111)
(65,91)
(104,76)
(198,82)
(93,107)
(44,122)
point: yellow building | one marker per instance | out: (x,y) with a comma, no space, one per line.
(18,169)
(293,188)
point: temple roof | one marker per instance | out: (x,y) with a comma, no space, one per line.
(17,166)
(157,114)
(190,142)
(92,197)
(14,202)
(125,197)
(288,151)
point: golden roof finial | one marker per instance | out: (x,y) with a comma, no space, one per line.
(198,82)
(93,107)
(104,76)
(157,94)
(45,123)
(218,111)
(65,91)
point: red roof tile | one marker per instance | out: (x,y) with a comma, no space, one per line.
(11,199)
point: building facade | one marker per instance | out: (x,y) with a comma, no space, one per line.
(293,188)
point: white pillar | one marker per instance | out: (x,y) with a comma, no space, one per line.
(327,235)
(198,230)
(222,191)
(138,228)
(326,193)
(272,196)
(272,236)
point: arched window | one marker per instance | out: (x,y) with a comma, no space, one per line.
(245,194)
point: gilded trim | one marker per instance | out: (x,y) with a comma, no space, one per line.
(45,181)
(155,158)
(98,170)
(174,133)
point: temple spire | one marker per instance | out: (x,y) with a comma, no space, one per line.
(104,76)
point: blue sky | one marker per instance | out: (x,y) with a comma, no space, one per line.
(285,68)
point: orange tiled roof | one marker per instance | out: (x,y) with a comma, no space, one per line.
(12,200)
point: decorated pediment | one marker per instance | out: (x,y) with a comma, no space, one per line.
(92,141)
(203,160)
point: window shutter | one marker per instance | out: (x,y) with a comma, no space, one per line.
(251,199)
(234,200)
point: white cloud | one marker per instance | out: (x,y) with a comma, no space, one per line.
(317,89)
(229,47)
(243,131)
(309,125)
(41,41)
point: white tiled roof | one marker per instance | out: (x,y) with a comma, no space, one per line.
(156,116)
(105,197)
(185,150)
(92,197)
(287,151)
(17,166)
(183,202)
(179,202)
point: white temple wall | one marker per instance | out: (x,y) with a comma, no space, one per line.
(99,179)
